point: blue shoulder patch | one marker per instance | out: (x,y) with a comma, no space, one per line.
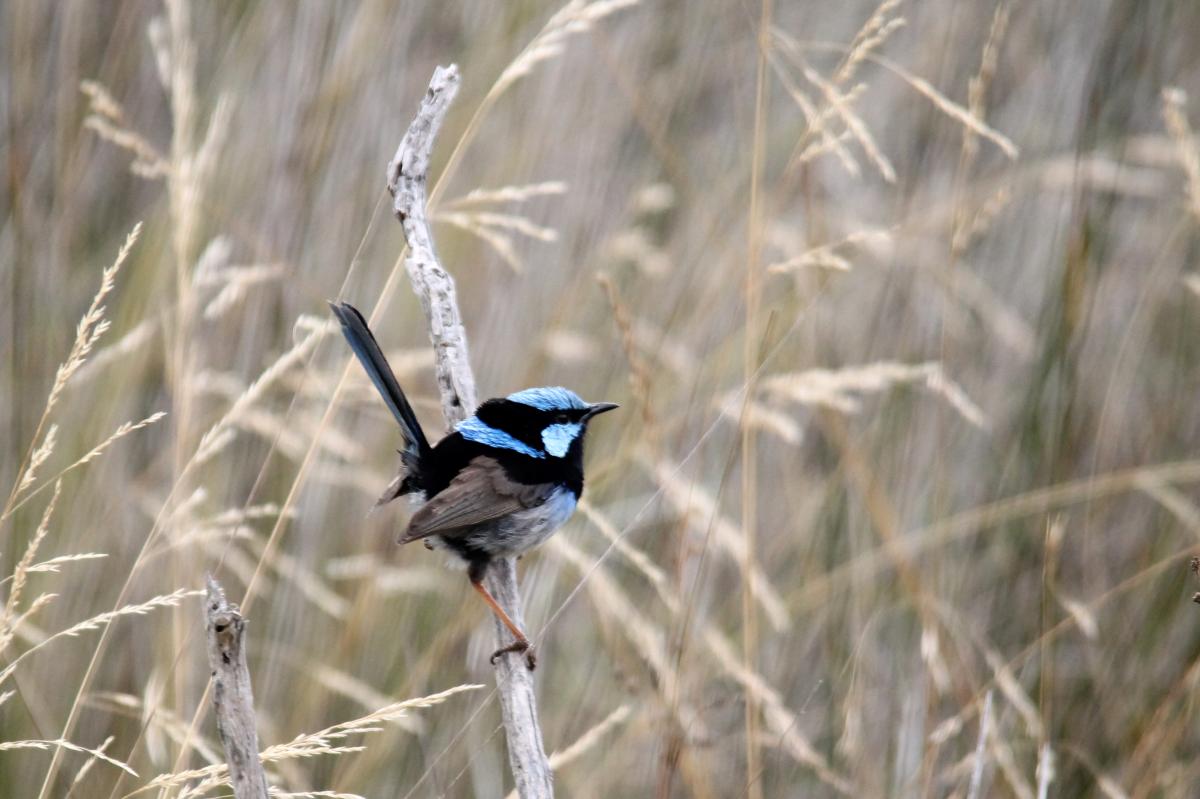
(473,429)
(549,398)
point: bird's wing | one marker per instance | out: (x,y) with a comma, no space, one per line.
(480,493)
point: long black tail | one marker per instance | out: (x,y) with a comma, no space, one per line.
(355,329)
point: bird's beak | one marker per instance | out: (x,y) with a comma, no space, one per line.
(598,408)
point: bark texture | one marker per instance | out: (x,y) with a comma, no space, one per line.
(231,695)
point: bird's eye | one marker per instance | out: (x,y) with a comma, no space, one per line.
(561,418)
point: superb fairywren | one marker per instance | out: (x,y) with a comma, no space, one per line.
(500,484)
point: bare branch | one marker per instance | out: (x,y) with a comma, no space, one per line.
(407,176)
(232,697)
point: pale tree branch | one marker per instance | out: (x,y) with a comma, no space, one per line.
(407,177)
(231,695)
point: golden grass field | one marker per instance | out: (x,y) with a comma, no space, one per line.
(901,303)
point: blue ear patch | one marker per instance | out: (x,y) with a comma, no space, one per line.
(557,438)
(549,398)
(473,429)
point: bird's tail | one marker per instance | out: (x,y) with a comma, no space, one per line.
(354,328)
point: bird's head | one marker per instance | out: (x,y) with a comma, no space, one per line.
(546,422)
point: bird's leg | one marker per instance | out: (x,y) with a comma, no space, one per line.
(519,645)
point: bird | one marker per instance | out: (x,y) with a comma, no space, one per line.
(498,485)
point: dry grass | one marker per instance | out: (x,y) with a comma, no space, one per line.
(900,299)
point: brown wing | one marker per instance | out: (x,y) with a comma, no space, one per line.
(481,492)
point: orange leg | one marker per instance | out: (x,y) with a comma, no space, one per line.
(521,644)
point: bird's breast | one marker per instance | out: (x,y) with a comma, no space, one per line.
(550,515)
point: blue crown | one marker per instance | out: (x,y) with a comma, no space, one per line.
(549,398)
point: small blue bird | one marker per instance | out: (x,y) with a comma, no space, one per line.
(500,484)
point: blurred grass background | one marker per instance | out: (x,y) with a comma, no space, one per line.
(970,412)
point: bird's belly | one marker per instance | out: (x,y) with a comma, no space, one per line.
(520,532)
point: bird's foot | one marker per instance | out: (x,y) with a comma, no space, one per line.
(517,646)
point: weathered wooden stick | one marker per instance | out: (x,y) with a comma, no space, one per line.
(407,176)
(231,694)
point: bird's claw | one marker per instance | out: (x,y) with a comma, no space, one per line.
(517,646)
